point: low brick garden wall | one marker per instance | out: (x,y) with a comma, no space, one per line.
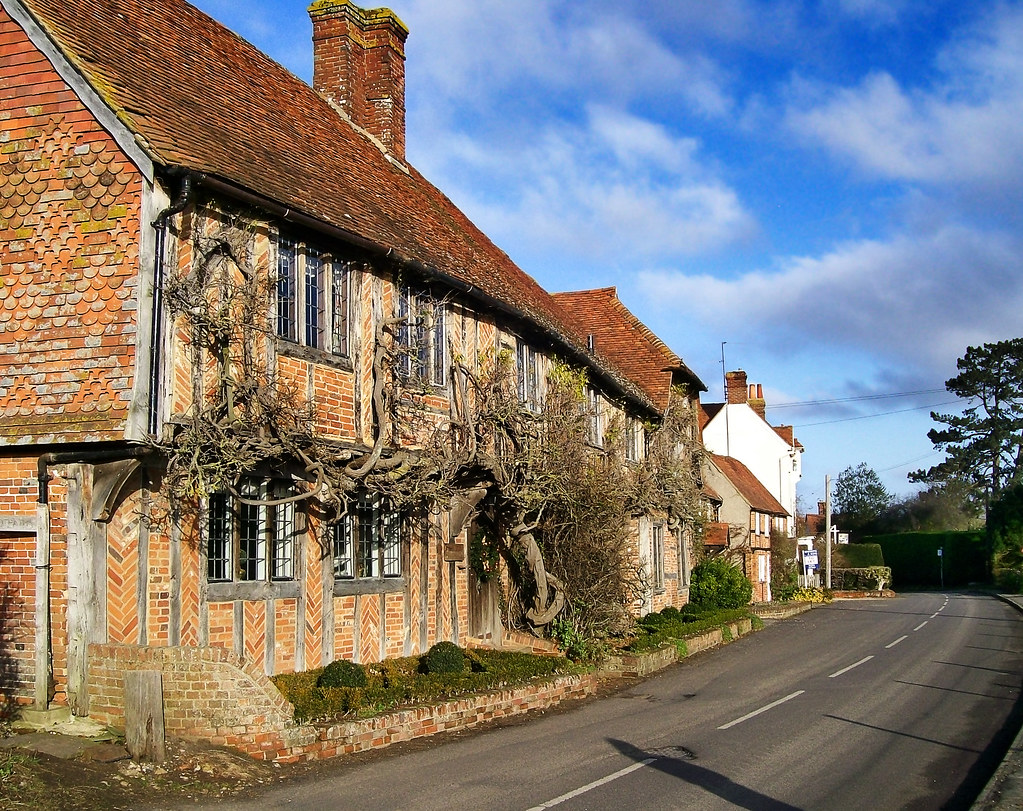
(647,662)
(212,695)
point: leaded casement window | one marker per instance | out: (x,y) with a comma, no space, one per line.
(313,298)
(422,337)
(527,363)
(635,440)
(657,556)
(252,537)
(366,542)
(287,290)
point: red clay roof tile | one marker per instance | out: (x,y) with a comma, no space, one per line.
(748,485)
(201,98)
(626,341)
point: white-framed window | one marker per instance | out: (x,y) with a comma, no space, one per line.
(313,298)
(635,439)
(366,542)
(252,537)
(422,337)
(527,365)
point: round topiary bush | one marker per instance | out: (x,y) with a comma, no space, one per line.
(671,614)
(716,582)
(342,673)
(444,657)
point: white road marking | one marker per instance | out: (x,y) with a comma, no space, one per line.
(847,669)
(896,642)
(593,785)
(921,625)
(765,708)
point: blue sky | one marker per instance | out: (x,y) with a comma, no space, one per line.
(831,188)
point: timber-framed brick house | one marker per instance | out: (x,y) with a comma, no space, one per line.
(146,149)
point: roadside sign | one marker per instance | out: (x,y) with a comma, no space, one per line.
(940,550)
(810,558)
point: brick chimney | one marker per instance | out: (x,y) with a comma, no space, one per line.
(736,392)
(756,400)
(359,66)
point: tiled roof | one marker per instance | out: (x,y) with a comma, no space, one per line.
(626,341)
(748,485)
(199,97)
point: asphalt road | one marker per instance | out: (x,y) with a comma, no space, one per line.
(899,703)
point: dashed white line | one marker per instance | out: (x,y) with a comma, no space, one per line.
(921,625)
(593,785)
(765,708)
(896,642)
(847,669)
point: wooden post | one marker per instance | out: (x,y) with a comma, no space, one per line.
(143,715)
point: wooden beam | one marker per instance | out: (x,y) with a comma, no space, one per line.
(143,715)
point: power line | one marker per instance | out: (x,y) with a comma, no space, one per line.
(860,399)
(910,461)
(874,416)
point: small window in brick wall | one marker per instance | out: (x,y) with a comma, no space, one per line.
(367,541)
(422,337)
(313,298)
(635,440)
(252,537)
(657,555)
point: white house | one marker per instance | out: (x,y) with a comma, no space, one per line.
(738,428)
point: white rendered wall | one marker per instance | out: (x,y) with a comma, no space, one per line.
(753,442)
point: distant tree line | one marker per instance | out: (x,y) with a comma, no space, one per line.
(980,481)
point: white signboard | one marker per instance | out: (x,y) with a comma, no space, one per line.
(810,558)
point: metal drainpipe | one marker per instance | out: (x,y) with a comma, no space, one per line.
(44,641)
(160,225)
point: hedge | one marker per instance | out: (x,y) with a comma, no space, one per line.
(913,557)
(868,578)
(856,556)
(402,682)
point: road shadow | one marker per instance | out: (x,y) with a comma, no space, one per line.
(682,767)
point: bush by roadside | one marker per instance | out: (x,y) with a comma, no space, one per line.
(407,681)
(673,625)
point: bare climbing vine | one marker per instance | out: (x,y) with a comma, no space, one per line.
(554,508)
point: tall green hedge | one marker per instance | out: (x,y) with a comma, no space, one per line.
(856,556)
(913,557)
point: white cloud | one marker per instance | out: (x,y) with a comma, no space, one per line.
(968,128)
(614,186)
(911,303)
(478,51)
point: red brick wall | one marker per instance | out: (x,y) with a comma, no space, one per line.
(17,636)
(69,235)
(212,695)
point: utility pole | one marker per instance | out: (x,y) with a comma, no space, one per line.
(827,531)
(724,387)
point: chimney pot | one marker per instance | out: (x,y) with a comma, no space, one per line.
(756,400)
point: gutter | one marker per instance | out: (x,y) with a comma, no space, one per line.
(428,273)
